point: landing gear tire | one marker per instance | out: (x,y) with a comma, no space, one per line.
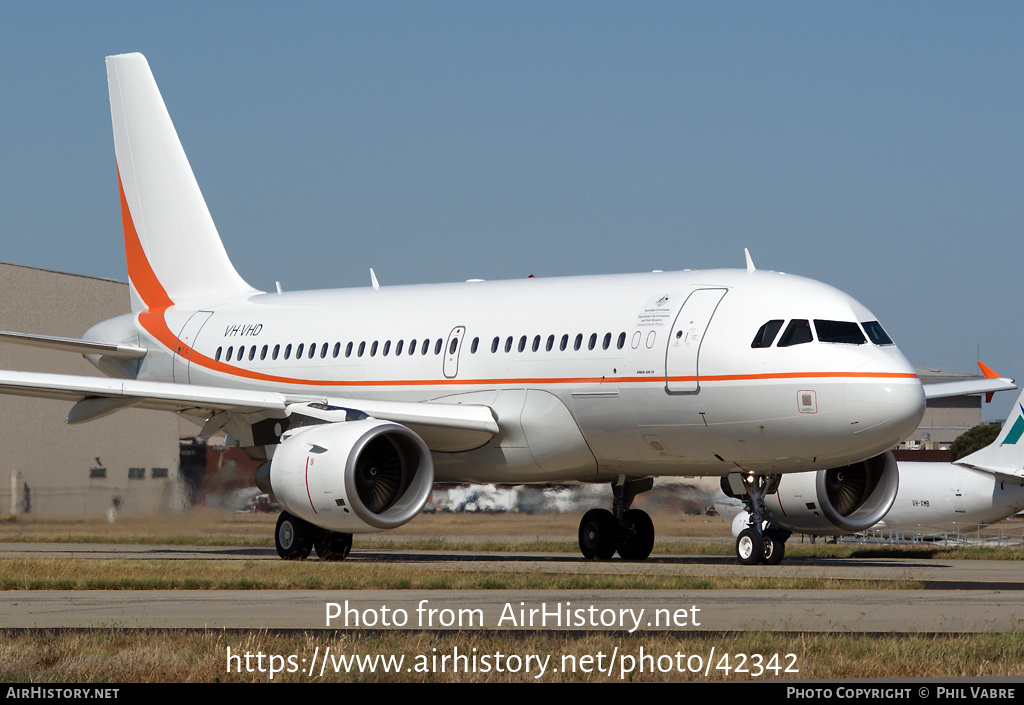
(774,548)
(293,537)
(599,534)
(638,536)
(750,547)
(333,546)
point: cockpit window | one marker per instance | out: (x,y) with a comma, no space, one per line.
(839,332)
(766,334)
(797,332)
(876,333)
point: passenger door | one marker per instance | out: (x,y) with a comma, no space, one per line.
(682,374)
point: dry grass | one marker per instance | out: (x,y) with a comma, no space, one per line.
(120,574)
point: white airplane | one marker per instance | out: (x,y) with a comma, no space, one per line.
(981,488)
(360,399)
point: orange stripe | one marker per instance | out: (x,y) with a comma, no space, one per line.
(987,371)
(153,322)
(140,272)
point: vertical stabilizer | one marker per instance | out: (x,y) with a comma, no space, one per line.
(1006,453)
(173,250)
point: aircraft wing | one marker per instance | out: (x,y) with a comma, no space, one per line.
(443,426)
(971,386)
(991,383)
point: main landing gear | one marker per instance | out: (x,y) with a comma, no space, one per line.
(630,532)
(296,538)
(760,542)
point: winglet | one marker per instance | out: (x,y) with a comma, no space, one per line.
(750,262)
(989,374)
(987,371)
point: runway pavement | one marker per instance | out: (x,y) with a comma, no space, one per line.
(959,596)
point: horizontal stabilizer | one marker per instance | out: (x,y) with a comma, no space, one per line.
(75,345)
(1004,473)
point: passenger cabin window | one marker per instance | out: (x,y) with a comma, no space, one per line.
(876,333)
(839,332)
(797,332)
(766,334)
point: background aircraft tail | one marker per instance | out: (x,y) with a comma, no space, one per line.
(1005,455)
(173,250)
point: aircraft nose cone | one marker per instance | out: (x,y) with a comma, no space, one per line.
(884,411)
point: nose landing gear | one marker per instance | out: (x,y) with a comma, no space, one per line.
(760,542)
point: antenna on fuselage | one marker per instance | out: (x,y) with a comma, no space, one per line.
(373,279)
(750,262)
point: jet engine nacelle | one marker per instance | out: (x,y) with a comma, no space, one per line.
(352,477)
(836,501)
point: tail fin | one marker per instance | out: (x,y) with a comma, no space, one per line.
(1005,455)
(174,252)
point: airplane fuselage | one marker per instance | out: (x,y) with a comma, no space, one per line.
(590,377)
(944,494)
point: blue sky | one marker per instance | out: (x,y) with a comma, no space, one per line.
(874,146)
